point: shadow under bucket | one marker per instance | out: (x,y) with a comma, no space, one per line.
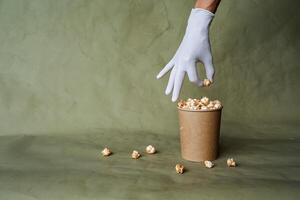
(199,134)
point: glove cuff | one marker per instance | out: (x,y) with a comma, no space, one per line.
(202,11)
(200,17)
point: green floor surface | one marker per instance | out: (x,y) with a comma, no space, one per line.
(69,166)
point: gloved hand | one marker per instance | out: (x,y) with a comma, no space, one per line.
(194,47)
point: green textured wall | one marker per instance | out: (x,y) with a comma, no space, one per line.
(71,66)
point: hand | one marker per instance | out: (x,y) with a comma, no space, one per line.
(194,47)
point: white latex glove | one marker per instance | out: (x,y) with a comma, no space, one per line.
(194,47)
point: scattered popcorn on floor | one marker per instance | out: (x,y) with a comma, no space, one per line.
(199,104)
(150,149)
(231,162)
(106,152)
(208,164)
(135,155)
(179,169)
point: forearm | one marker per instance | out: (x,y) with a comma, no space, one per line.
(210,5)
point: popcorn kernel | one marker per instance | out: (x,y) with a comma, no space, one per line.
(208,164)
(205,101)
(231,162)
(179,169)
(150,149)
(206,82)
(106,152)
(217,106)
(135,155)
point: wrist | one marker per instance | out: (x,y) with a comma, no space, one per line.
(210,5)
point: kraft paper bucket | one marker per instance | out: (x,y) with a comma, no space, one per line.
(199,134)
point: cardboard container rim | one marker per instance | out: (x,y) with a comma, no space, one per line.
(186,110)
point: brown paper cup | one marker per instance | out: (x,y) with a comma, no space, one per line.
(199,134)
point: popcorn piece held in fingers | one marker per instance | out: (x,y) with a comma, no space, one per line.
(135,155)
(106,152)
(206,82)
(179,169)
(208,164)
(231,162)
(150,149)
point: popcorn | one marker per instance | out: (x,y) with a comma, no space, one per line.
(203,104)
(205,101)
(150,149)
(179,169)
(217,106)
(204,108)
(216,102)
(106,152)
(210,105)
(206,82)
(181,104)
(208,164)
(135,155)
(231,162)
